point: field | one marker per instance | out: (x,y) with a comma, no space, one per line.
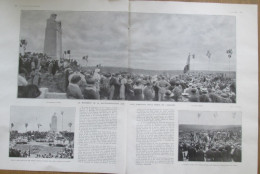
(38,148)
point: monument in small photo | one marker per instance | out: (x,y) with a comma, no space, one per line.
(54,123)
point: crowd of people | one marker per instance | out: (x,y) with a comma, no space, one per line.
(35,143)
(65,153)
(84,83)
(18,153)
(210,145)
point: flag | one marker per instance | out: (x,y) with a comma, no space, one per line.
(85,58)
(186,69)
(193,56)
(68,52)
(187,66)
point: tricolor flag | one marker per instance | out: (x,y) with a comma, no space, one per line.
(187,66)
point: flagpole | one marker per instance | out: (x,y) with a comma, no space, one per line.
(208,65)
(229,67)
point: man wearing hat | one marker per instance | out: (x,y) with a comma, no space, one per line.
(148,91)
(115,87)
(162,85)
(129,90)
(194,96)
(105,86)
(168,96)
(204,97)
(90,92)
(73,90)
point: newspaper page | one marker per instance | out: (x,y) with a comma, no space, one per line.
(204,60)
(119,87)
(48,49)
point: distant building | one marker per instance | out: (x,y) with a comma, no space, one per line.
(53,38)
(54,123)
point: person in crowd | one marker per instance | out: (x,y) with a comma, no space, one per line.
(91,92)
(50,68)
(138,90)
(115,87)
(148,91)
(28,91)
(55,67)
(177,91)
(68,72)
(105,86)
(194,97)
(22,77)
(129,90)
(73,90)
(123,81)
(204,96)
(97,77)
(180,153)
(168,97)
(156,91)
(162,85)
(36,77)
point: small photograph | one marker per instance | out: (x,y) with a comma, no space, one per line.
(42,132)
(210,136)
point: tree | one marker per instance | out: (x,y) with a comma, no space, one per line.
(26,125)
(23,44)
(12,125)
(70,124)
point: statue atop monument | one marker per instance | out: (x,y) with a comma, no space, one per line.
(53,36)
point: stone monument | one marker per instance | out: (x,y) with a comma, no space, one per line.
(54,122)
(53,38)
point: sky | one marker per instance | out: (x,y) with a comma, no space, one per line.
(103,36)
(210,118)
(157,41)
(42,115)
(165,41)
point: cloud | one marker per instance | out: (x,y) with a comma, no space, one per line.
(164,39)
(160,38)
(101,35)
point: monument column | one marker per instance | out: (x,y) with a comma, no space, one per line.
(53,35)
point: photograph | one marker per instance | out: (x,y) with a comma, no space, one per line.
(42,132)
(127,56)
(208,136)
